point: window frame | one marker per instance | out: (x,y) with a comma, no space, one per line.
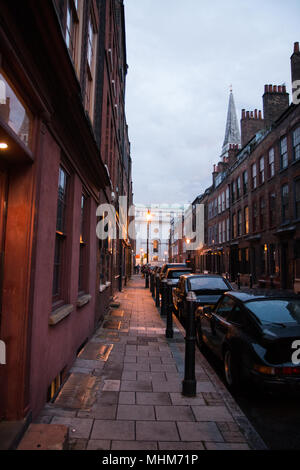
(271,162)
(61,238)
(283,153)
(296,145)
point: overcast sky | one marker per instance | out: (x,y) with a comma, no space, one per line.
(183,55)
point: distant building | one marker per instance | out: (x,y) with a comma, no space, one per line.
(158,230)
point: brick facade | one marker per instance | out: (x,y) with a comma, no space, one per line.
(252,221)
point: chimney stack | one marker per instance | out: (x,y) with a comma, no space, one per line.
(295,69)
(275,102)
(251,123)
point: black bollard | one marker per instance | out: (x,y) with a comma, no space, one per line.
(189,384)
(239,281)
(157,290)
(163,308)
(169,329)
(152,286)
(146,280)
(251,281)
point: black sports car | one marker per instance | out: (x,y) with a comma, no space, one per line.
(256,336)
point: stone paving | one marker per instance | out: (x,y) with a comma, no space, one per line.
(124,390)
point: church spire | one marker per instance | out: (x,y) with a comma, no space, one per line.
(232,131)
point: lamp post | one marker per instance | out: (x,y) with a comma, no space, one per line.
(148,217)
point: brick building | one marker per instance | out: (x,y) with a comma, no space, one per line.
(252,208)
(56,276)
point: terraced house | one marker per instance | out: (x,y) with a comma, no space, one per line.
(252,222)
(64,151)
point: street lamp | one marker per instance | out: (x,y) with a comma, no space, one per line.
(148,217)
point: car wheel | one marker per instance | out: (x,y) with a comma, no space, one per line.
(231,371)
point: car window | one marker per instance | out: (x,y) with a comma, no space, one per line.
(176,274)
(276,310)
(210,283)
(225,306)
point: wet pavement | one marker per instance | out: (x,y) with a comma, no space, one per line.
(124,391)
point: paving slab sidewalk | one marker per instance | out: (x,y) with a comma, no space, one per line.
(124,390)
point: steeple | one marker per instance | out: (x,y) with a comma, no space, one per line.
(232,132)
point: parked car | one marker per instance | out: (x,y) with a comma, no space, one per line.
(206,289)
(173,274)
(167,266)
(253,335)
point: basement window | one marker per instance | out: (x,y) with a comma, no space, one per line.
(56,385)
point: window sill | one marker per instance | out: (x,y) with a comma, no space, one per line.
(83,300)
(60,313)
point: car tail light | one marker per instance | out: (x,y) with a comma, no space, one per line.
(281,371)
(287,370)
(264,369)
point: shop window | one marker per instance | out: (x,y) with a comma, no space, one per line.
(12,110)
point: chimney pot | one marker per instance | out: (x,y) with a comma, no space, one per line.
(270,88)
(266,88)
(247,114)
(243,113)
(255,113)
(259,114)
(279,89)
(283,89)
(296,47)
(275,88)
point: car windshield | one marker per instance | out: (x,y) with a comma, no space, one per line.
(275,310)
(206,283)
(176,274)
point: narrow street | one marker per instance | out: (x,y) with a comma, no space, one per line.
(124,390)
